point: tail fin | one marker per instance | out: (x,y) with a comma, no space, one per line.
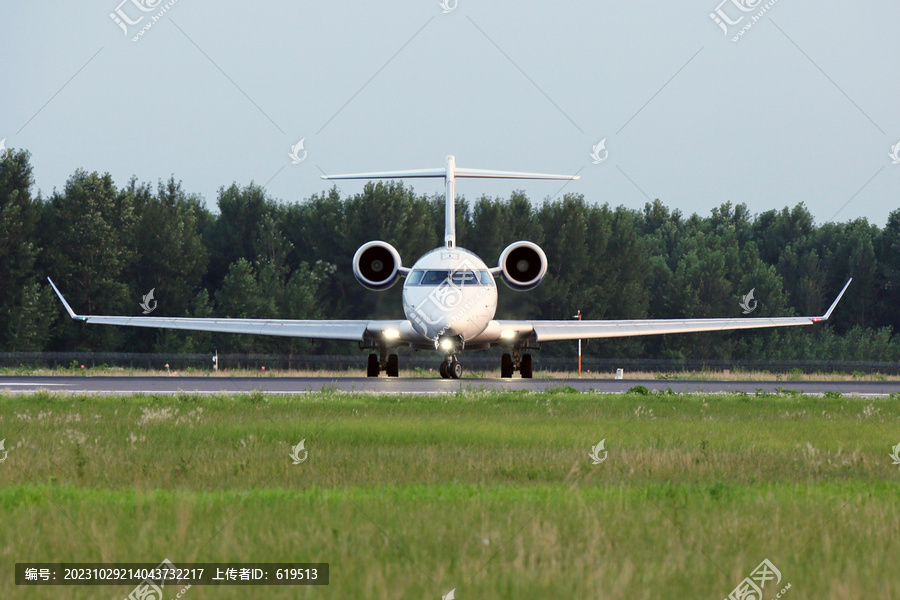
(449,173)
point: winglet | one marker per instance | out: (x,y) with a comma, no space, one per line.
(833,304)
(66,304)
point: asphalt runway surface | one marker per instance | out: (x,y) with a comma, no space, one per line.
(417,386)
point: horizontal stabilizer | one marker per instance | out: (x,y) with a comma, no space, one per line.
(391,174)
(486,174)
(448,172)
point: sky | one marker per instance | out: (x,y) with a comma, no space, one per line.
(802,107)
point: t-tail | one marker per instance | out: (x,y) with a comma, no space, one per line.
(450,173)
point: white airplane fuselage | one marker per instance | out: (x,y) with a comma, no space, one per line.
(449,293)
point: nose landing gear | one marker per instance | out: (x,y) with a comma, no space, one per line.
(451,368)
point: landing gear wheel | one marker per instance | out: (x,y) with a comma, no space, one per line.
(393,366)
(373,368)
(525,367)
(445,371)
(506,366)
(456,369)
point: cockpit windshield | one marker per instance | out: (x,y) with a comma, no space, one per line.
(441,276)
(434,277)
(464,278)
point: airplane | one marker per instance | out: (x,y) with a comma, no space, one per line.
(449,300)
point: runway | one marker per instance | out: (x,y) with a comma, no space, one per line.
(416,386)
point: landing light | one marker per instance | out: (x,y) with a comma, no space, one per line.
(507,334)
(391,334)
(447,344)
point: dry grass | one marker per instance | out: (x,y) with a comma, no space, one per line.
(741,375)
(695,375)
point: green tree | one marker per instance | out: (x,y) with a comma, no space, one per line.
(19,213)
(235,232)
(86,233)
(188,342)
(30,318)
(887,255)
(169,254)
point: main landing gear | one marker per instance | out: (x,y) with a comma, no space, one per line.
(390,363)
(518,361)
(451,368)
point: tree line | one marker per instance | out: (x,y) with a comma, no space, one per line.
(107,246)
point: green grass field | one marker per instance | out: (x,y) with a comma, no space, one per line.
(493,494)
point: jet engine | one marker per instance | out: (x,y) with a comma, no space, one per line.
(523,265)
(376,265)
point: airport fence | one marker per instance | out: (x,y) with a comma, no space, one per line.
(473,362)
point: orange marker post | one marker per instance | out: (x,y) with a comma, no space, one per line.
(578,316)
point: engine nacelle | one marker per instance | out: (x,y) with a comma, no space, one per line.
(376,265)
(523,265)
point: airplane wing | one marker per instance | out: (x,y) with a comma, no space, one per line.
(399,330)
(551,331)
